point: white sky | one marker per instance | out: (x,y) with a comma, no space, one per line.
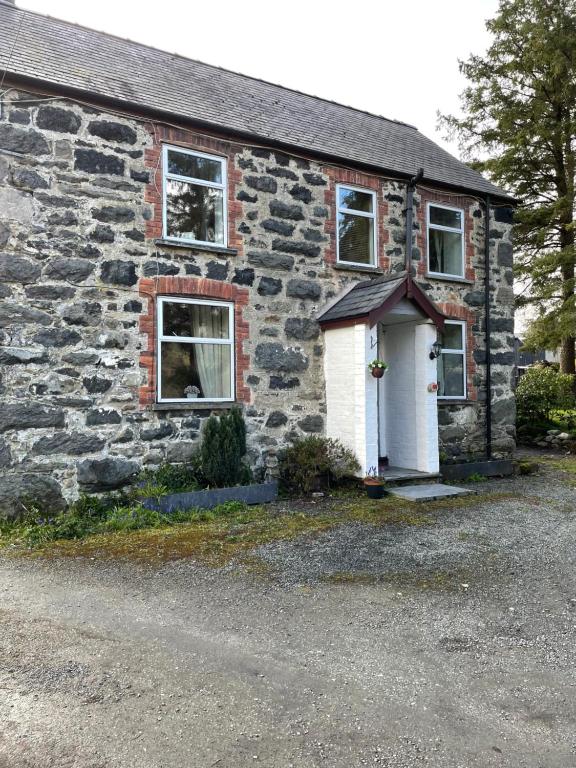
(398,59)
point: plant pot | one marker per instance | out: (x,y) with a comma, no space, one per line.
(378,372)
(374,491)
(191,396)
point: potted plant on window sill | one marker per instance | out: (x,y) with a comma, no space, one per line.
(377,368)
(191,392)
(374,484)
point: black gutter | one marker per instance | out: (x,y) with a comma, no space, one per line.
(228,134)
(410,216)
(487,331)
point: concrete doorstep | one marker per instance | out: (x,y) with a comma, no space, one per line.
(428,491)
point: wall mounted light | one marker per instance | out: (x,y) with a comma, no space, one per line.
(435,350)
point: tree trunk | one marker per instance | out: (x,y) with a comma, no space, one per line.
(567,356)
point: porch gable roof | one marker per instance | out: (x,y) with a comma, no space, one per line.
(369,300)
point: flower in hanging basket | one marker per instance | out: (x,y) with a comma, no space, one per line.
(191,392)
(377,368)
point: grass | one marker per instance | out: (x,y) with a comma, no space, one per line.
(219,536)
(566,465)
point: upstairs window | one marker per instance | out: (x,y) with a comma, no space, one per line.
(356,226)
(452,361)
(194,197)
(445,241)
(195,350)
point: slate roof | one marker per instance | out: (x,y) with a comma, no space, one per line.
(67,55)
(372,298)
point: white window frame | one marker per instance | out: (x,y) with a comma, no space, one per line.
(364,214)
(441,228)
(162,300)
(166,176)
(462,352)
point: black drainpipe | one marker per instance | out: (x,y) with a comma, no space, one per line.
(487,328)
(410,216)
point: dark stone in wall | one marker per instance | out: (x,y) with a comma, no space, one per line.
(23,141)
(74,270)
(301,328)
(91,161)
(71,443)
(315,179)
(29,180)
(505,254)
(311,424)
(262,183)
(299,192)
(495,234)
(283,211)
(87,313)
(30,415)
(56,201)
(20,116)
(153,268)
(314,235)
(16,269)
(504,411)
(109,214)
(12,313)
(81,358)
(96,385)
(5,454)
(118,272)
(141,176)
(272,356)
(283,173)
(269,286)
(280,227)
(18,490)
(57,119)
(163,430)
(394,198)
(22,356)
(503,324)
(276,419)
(216,270)
(303,289)
(246,164)
(321,212)
(503,214)
(106,474)
(4,233)
(102,234)
(270,260)
(136,235)
(57,337)
(291,246)
(244,197)
(253,381)
(133,306)
(280,382)
(102,416)
(112,131)
(474,298)
(62,219)
(243,276)
(502,358)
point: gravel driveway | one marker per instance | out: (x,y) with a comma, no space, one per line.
(445,644)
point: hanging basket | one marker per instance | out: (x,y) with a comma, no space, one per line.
(377,372)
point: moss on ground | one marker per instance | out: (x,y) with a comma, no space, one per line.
(221,540)
(565,466)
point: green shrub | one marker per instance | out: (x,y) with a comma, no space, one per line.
(315,462)
(223,450)
(540,390)
(174,478)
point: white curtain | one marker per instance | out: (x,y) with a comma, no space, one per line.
(213,360)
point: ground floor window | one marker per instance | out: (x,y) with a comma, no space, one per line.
(195,350)
(452,360)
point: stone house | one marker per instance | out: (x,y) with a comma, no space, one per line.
(176,238)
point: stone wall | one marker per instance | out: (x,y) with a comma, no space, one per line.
(80,247)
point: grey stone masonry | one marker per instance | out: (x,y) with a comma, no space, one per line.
(74,244)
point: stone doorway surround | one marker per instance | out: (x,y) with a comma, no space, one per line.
(396,416)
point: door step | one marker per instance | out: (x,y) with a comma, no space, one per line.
(429,492)
(401,476)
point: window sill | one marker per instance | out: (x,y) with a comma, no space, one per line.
(161,242)
(198,406)
(449,279)
(358,268)
(455,401)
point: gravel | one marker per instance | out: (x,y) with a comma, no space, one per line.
(445,644)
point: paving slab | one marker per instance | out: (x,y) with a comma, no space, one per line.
(428,491)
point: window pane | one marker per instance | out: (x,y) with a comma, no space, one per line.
(194,213)
(445,251)
(451,338)
(203,168)
(205,366)
(356,241)
(451,375)
(445,218)
(358,201)
(199,320)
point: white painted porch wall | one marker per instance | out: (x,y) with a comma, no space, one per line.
(400,395)
(351,408)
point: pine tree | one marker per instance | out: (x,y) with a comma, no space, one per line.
(520,128)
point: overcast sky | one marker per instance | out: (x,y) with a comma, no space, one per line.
(398,59)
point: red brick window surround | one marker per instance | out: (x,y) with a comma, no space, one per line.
(449,201)
(457,312)
(190,287)
(346,177)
